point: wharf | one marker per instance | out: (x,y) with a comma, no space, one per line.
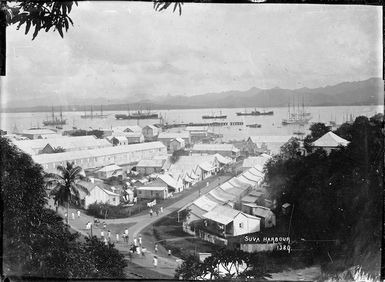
(175,125)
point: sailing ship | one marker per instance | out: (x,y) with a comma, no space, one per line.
(55,121)
(212,116)
(297,116)
(138,115)
(93,115)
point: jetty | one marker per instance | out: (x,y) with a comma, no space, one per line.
(208,124)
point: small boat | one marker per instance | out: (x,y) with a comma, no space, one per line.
(255,125)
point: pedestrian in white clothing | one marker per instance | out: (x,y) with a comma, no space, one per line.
(155,261)
(117,237)
(102,234)
(140,240)
(161,209)
(73,216)
(78,213)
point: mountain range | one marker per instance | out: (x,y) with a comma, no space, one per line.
(366,92)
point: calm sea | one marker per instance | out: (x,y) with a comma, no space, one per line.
(271,125)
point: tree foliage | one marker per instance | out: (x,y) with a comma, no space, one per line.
(162,5)
(66,184)
(47,15)
(317,130)
(35,240)
(40,15)
(336,196)
(224,263)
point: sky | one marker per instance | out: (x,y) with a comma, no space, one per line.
(126,50)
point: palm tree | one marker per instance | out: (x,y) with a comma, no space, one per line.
(65,184)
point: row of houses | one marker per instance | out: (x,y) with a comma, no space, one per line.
(235,208)
(125,155)
(182,174)
(69,144)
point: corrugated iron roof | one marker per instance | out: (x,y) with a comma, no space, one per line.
(74,155)
(330,139)
(222,214)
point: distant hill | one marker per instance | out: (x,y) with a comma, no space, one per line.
(366,92)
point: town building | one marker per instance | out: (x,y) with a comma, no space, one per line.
(37,133)
(98,193)
(166,180)
(229,210)
(329,142)
(69,144)
(256,145)
(119,140)
(95,158)
(177,144)
(110,171)
(226,150)
(167,137)
(127,128)
(259,161)
(152,192)
(265,214)
(198,133)
(150,132)
(147,167)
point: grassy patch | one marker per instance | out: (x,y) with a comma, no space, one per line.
(170,236)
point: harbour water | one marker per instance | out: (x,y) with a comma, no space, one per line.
(270,125)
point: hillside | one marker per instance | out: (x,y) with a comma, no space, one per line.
(366,92)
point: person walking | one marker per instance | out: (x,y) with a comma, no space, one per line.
(78,212)
(157,212)
(135,242)
(109,235)
(73,216)
(102,234)
(151,212)
(140,240)
(126,235)
(88,226)
(117,237)
(169,253)
(104,225)
(156,248)
(105,241)
(155,261)
(161,209)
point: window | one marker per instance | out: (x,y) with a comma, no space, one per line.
(113,199)
(241,225)
(140,192)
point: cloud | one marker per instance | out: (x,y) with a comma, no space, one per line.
(124,50)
